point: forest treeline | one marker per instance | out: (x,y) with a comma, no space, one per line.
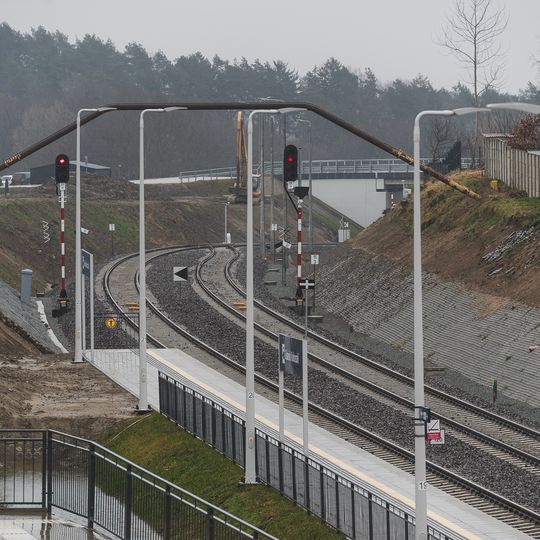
(45,80)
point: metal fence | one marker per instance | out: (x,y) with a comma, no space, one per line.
(48,469)
(516,168)
(352,509)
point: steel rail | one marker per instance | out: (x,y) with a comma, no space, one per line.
(515,509)
(495,443)
(507,422)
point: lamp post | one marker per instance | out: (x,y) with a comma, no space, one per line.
(310,224)
(419,403)
(251,476)
(143,390)
(77,358)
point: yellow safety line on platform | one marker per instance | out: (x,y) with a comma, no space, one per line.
(345,466)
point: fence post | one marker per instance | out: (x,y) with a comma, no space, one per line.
(210,523)
(167,512)
(44,470)
(406,526)
(49,472)
(337,504)
(370,516)
(91,484)
(306,485)
(128,504)
(280,467)
(353,514)
(323,490)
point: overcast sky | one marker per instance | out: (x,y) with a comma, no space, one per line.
(393,37)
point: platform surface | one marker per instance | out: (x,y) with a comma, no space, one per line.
(368,470)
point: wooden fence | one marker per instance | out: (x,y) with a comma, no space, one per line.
(516,168)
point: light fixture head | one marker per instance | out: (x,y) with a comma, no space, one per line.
(530,108)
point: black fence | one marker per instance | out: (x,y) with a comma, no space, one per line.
(48,470)
(346,506)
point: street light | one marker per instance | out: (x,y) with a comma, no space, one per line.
(310,188)
(77,358)
(251,474)
(143,389)
(419,407)
(530,108)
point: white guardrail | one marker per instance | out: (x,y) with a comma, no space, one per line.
(318,167)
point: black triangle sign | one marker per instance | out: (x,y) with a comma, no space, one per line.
(180,273)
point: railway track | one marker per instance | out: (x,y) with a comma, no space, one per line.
(501,434)
(518,516)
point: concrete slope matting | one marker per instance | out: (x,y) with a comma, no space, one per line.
(481,336)
(24,316)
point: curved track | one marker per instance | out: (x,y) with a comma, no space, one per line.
(494,504)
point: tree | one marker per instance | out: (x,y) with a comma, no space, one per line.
(471,35)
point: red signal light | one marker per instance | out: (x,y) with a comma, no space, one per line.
(61,161)
(290,159)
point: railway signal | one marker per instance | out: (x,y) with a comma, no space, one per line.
(290,164)
(61,174)
(61,169)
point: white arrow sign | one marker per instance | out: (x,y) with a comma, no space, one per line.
(180,273)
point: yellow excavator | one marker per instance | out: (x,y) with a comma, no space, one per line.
(238,191)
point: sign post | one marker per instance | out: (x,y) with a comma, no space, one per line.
(112,228)
(314,264)
(293,361)
(87,268)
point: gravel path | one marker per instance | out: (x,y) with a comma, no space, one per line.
(191,311)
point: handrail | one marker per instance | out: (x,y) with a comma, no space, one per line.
(66,440)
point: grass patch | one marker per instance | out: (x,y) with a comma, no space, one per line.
(161,447)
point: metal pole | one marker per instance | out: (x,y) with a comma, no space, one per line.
(77,357)
(419,426)
(310,222)
(92,344)
(299,246)
(251,474)
(281,405)
(62,241)
(226,208)
(83,312)
(284,251)
(305,398)
(261,205)
(272,232)
(143,390)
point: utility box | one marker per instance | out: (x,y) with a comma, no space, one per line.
(26,286)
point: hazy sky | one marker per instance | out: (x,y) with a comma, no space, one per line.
(393,37)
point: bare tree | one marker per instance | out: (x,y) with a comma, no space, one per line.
(471,35)
(441,133)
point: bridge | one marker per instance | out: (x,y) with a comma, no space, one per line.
(390,172)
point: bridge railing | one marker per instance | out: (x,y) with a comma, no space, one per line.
(48,469)
(318,167)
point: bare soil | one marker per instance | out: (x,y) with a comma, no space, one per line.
(458,232)
(49,391)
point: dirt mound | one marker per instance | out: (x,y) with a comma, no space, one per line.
(492,245)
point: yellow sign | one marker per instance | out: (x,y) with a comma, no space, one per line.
(110,323)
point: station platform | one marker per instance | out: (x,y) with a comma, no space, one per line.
(446,513)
